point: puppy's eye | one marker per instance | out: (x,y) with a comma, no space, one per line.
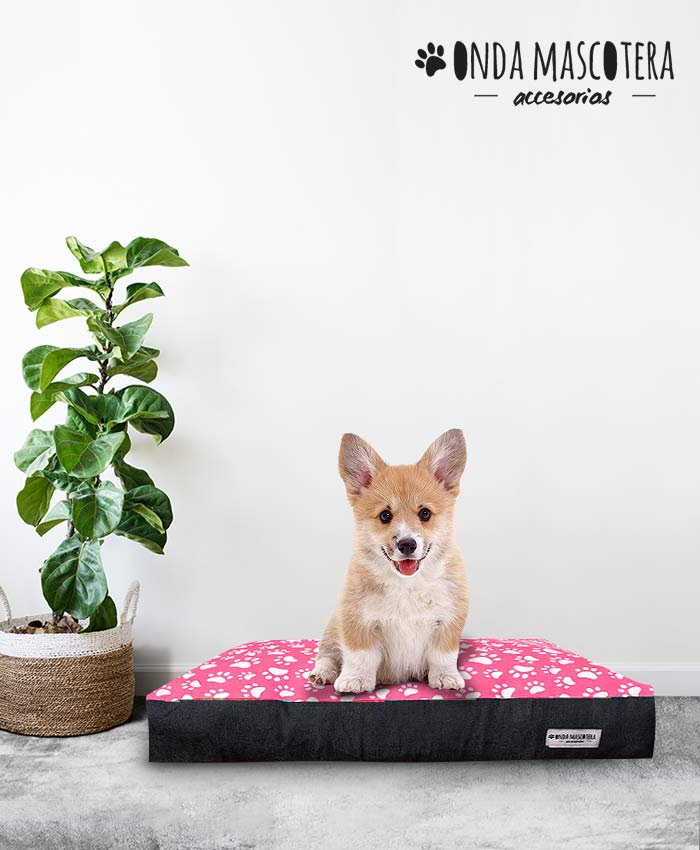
(424,514)
(386,517)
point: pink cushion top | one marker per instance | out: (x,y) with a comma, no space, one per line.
(492,668)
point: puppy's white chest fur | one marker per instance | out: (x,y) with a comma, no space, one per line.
(406,617)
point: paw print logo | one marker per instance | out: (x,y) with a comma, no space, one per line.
(595,692)
(534,688)
(432,61)
(564,682)
(276,674)
(220,677)
(283,692)
(408,689)
(216,693)
(551,669)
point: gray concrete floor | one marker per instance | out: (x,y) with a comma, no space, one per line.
(100,792)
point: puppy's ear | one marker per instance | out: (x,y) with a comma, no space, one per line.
(358,463)
(446,458)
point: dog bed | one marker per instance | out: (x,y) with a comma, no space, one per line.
(522,699)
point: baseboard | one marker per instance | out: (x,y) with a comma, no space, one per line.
(680,679)
(669,679)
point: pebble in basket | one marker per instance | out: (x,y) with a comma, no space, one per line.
(72,672)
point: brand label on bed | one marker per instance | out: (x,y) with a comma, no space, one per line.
(573,738)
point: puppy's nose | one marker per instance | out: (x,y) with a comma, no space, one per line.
(407,546)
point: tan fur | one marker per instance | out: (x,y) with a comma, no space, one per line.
(390,627)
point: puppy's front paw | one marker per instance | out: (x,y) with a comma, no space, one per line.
(324,673)
(445,680)
(350,684)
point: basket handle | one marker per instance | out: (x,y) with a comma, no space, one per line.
(131,603)
(5,602)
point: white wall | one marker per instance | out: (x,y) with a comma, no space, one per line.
(376,251)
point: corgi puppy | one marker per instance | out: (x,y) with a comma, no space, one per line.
(405,600)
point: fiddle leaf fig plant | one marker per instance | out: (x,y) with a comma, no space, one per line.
(76,458)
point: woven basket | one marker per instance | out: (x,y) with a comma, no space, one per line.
(66,684)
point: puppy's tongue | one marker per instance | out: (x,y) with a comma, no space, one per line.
(408,568)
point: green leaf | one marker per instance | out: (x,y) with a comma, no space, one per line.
(141,356)
(104,617)
(136,364)
(83,404)
(130,476)
(60,512)
(73,579)
(108,408)
(32,362)
(145,371)
(36,451)
(127,338)
(150,516)
(136,292)
(56,360)
(39,403)
(148,411)
(40,284)
(153,498)
(136,528)
(112,258)
(60,479)
(101,409)
(139,525)
(89,259)
(34,498)
(55,309)
(41,365)
(82,456)
(152,252)
(75,421)
(97,510)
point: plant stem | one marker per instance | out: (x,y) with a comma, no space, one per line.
(71,528)
(108,345)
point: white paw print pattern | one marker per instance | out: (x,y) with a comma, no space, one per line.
(487,658)
(246,676)
(488,672)
(252,691)
(522,671)
(220,677)
(587,673)
(500,668)
(216,693)
(276,674)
